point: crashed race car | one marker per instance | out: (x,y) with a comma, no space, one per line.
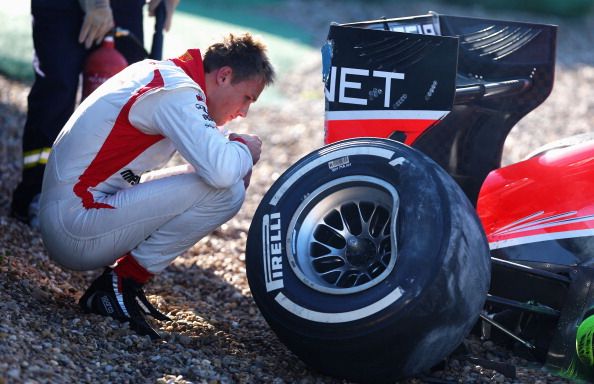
(374,256)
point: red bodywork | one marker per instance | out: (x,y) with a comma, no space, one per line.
(546,197)
(349,124)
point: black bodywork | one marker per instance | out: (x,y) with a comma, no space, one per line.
(489,74)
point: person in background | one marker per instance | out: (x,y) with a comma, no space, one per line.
(64,33)
(106,197)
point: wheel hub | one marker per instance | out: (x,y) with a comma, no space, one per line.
(360,252)
(343,235)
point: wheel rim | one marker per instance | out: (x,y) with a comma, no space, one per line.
(341,236)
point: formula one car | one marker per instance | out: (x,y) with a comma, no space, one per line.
(373,257)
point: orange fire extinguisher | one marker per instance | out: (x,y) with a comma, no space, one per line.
(102,63)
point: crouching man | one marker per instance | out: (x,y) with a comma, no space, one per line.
(108,202)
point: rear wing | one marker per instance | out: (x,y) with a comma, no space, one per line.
(452,87)
(379,82)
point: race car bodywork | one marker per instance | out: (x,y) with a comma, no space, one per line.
(458,109)
(445,91)
(538,213)
(465,83)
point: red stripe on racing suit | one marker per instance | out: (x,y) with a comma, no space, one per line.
(123,145)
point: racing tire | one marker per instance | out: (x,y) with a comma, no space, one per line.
(368,261)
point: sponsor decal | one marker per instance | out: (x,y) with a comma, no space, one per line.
(397,161)
(107,304)
(208,121)
(97,79)
(130,177)
(400,100)
(340,163)
(186,57)
(295,177)
(207,117)
(345,84)
(272,251)
(421,29)
(431,90)
(375,93)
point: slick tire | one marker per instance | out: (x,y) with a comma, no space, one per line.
(368,261)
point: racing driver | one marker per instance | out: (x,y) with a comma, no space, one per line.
(107,199)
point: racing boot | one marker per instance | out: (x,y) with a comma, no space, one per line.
(118,293)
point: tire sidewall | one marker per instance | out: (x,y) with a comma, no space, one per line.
(423,213)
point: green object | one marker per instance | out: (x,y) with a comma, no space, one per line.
(583,341)
(581,366)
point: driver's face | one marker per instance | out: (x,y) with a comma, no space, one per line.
(230,100)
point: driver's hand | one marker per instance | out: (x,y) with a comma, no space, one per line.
(98,21)
(253,143)
(170,6)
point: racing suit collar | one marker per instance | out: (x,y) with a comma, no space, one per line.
(191,63)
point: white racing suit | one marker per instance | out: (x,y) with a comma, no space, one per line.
(99,200)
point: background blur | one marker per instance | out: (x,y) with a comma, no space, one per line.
(197,23)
